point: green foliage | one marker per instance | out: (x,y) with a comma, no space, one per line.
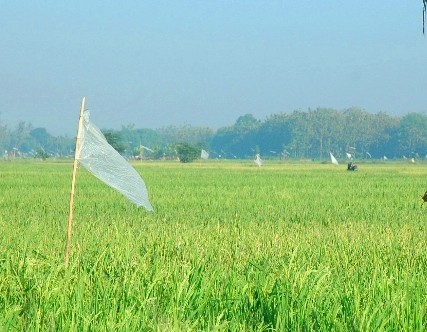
(238,140)
(115,140)
(230,247)
(413,132)
(312,134)
(186,152)
(4,138)
(307,134)
(188,134)
(247,123)
(41,154)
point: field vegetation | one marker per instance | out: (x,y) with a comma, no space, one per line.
(229,247)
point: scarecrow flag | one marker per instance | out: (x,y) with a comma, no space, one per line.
(103,161)
(145,148)
(333,160)
(204,154)
(258,160)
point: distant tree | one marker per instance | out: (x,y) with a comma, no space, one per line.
(326,131)
(41,154)
(19,137)
(40,136)
(238,140)
(115,140)
(300,144)
(186,133)
(246,123)
(129,139)
(187,153)
(223,139)
(412,135)
(274,133)
(382,140)
(4,138)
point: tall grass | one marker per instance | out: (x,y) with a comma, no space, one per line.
(230,247)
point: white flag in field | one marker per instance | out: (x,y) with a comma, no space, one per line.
(145,148)
(103,161)
(204,154)
(258,160)
(333,160)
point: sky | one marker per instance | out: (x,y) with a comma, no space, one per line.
(157,63)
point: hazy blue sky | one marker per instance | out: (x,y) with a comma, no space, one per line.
(205,63)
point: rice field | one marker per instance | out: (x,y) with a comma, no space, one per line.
(229,247)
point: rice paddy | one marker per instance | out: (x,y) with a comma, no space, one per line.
(229,247)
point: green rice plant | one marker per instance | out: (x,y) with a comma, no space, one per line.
(229,247)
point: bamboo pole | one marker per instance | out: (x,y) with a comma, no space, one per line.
(73,184)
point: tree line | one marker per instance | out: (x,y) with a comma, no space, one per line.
(313,134)
(310,134)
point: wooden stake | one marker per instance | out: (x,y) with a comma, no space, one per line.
(73,184)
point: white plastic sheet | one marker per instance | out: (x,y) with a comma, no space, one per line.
(204,154)
(258,160)
(333,159)
(104,162)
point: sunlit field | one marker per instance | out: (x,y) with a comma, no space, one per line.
(229,247)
